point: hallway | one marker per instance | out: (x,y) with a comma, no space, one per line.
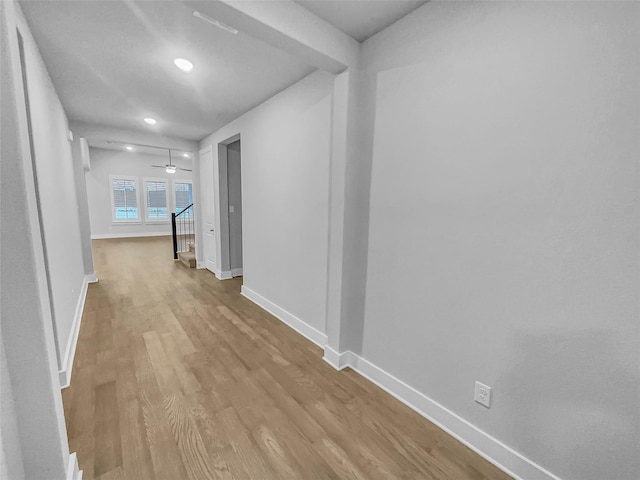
(177,376)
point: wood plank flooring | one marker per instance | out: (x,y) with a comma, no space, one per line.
(177,376)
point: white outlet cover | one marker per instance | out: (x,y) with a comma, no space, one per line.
(482,394)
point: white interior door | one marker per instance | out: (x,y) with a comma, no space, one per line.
(208,208)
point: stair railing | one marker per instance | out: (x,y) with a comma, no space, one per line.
(182,229)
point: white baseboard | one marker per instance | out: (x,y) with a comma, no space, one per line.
(338,360)
(236,272)
(223,275)
(227,274)
(488,447)
(72,342)
(73,470)
(102,236)
(91,278)
(304,329)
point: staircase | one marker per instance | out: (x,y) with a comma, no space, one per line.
(188,258)
(183,233)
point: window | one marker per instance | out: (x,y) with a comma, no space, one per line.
(156,199)
(124,199)
(183,192)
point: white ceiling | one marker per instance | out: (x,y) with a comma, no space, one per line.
(111,61)
(360,19)
(112,64)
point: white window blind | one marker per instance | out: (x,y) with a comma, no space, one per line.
(184,196)
(125,199)
(156,200)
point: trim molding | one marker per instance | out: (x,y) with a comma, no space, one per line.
(102,236)
(304,329)
(223,275)
(337,360)
(227,274)
(488,447)
(73,470)
(72,342)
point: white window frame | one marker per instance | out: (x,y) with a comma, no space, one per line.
(146,200)
(113,177)
(173,191)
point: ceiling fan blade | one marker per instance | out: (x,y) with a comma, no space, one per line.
(185,169)
(159,166)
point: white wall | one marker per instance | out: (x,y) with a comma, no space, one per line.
(503,241)
(285,174)
(107,162)
(57,196)
(33,436)
(10,451)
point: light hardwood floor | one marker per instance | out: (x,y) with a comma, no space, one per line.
(177,376)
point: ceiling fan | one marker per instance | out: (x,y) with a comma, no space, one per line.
(169,167)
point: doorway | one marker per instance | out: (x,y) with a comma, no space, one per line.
(230,206)
(234,190)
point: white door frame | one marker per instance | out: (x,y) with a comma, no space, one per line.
(222,208)
(208,224)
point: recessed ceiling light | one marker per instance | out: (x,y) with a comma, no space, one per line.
(185,155)
(150,121)
(129,147)
(183,64)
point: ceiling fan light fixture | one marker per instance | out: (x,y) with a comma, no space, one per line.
(129,148)
(183,64)
(185,155)
(170,169)
(150,121)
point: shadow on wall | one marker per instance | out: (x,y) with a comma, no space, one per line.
(580,414)
(357,203)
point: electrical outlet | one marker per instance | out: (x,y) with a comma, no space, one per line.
(482,394)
